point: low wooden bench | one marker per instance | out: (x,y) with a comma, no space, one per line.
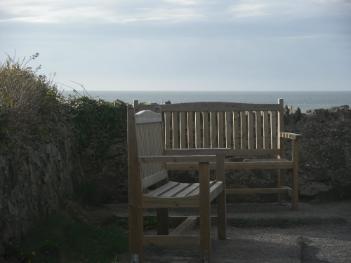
(252,133)
(149,187)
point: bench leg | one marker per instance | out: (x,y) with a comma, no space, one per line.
(221,216)
(162,221)
(136,234)
(295,188)
(205,219)
(279,184)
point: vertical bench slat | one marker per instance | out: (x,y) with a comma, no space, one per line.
(191,127)
(168,121)
(198,137)
(228,129)
(182,130)
(251,130)
(259,132)
(274,116)
(221,130)
(175,129)
(206,143)
(244,132)
(236,129)
(280,124)
(266,135)
(213,129)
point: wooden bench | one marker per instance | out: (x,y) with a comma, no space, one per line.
(252,133)
(149,187)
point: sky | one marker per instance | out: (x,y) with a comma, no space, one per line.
(232,45)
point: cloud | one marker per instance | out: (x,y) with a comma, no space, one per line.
(104,11)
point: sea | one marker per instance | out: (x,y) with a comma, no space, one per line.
(305,100)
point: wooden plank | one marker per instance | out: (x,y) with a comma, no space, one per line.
(213,130)
(135,213)
(175,190)
(251,131)
(266,135)
(175,129)
(209,106)
(221,130)
(236,130)
(187,191)
(183,130)
(189,223)
(228,130)
(168,123)
(221,201)
(259,131)
(244,132)
(198,128)
(154,178)
(239,191)
(274,116)
(206,129)
(280,126)
(191,130)
(205,219)
(164,188)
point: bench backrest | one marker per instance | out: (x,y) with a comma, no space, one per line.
(247,129)
(149,142)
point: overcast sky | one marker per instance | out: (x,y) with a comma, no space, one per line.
(184,44)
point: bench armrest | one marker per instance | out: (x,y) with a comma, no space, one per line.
(177,158)
(290,135)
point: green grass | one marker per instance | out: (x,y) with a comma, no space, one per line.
(62,239)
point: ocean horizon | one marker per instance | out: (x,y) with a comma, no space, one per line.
(305,100)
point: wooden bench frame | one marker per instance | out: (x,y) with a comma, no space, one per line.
(163,197)
(189,128)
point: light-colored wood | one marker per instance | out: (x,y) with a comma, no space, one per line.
(213,130)
(236,130)
(221,129)
(274,132)
(266,135)
(183,130)
(290,135)
(206,128)
(259,132)
(229,129)
(198,128)
(244,132)
(147,162)
(245,191)
(251,130)
(221,200)
(205,219)
(175,129)
(210,106)
(168,123)
(135,219)
(239,166)
(189,223)
(190,129)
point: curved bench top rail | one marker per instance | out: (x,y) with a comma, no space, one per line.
(209,107)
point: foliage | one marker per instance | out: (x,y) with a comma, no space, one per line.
(63,239)
(30,104)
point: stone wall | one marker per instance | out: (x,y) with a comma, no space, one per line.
(33,183)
